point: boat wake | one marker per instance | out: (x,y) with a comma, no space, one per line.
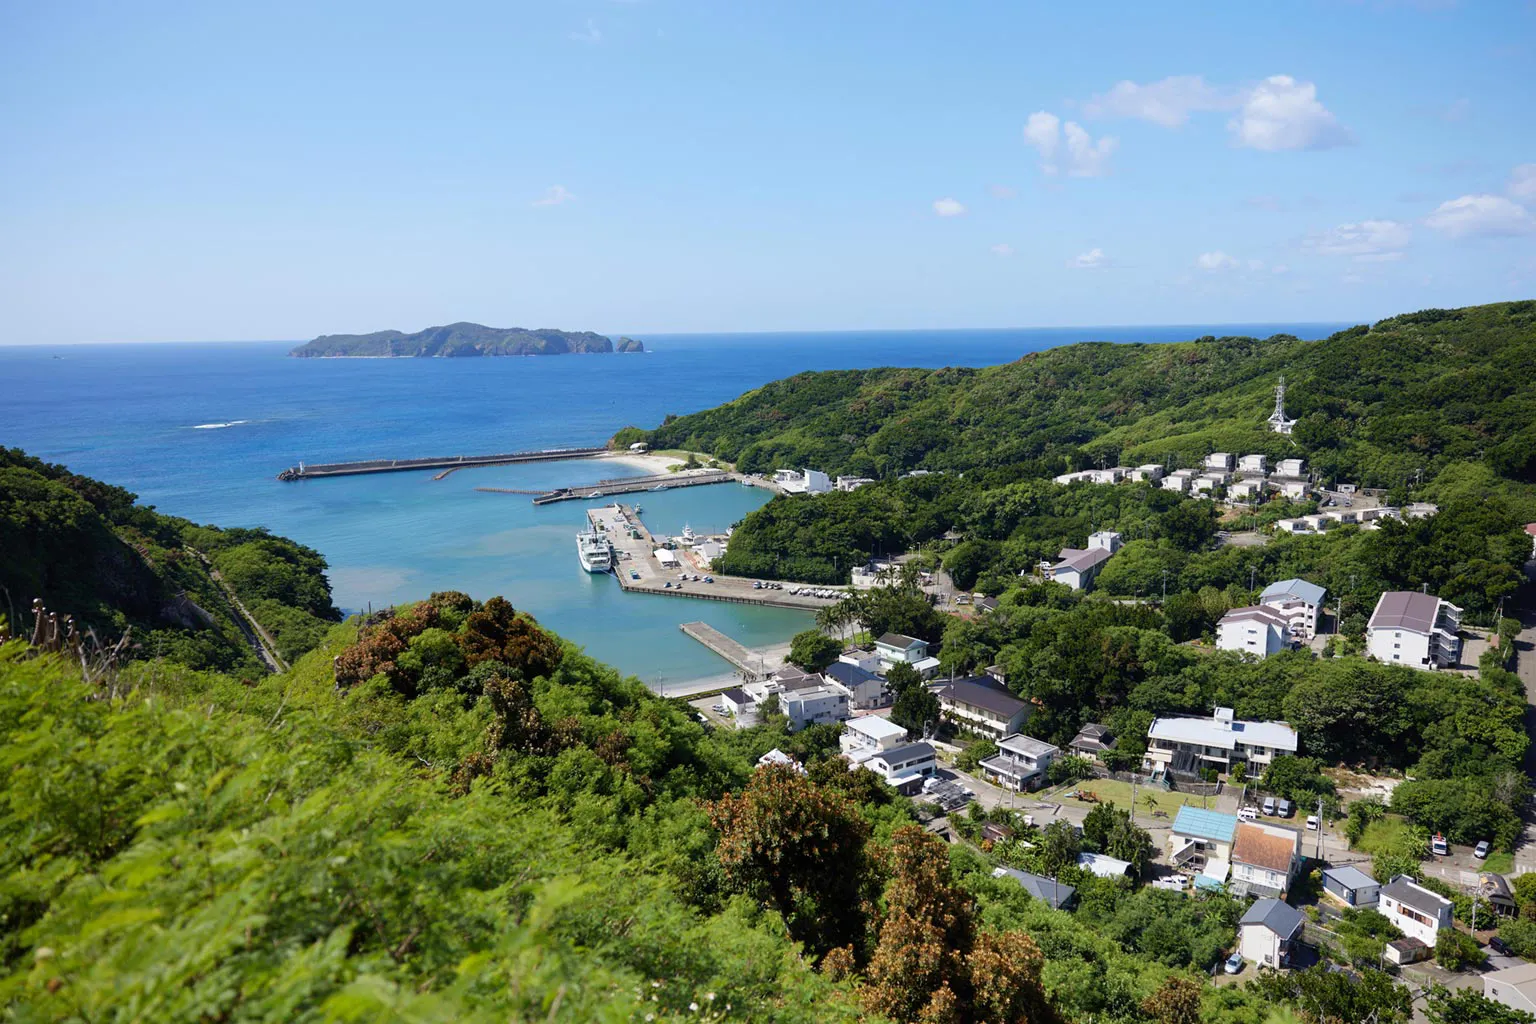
(219,426)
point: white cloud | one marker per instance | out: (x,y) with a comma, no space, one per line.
(1085,158)
(1279,268)
(1216,260)
(1002,191)
(1090,260)
(1168,102)
(591,34)
(1002,249)
(948,207)
(1481,215)
(1282,113)
(554,196)
(1370,241)
(1522,182)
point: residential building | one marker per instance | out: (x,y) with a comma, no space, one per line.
(897,648)
(807,481)
(1418,630)
(1291,467)
(805,699)
(1067,479)
(1498,893)
(904,767)
(1105,866)
(1254,630)
(1351,886)
(1419,913)
(1219,461)
(1200,844)
(706,551)
(1246,490)
(1294,490)
(1077,567)
(1151,471)
(1020,763)
(875,574)
(1407,950)
(740,707)
(1268,932)
(982,705)
(1253,464)
(1178,480)
(1180,744)
(777,756)
(1299,601)
(1514,987)
(1265,858)
(865,689)
(1054,894)
(863,657)
(853,483)
(1091,741)
(1208,483)
(867,735)
(814,705)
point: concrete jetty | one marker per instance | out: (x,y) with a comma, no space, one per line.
(309,471)
(753,666)
(634,484)
(639,571)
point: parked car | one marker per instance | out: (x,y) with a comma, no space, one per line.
(1269,806)
(1312,823)
(1283,808)
(1234,963)
(1499,946)
(1178,883)
(1481,850)
(1248,813)
(1438,846)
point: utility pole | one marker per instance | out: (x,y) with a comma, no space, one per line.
(1319,828)
(1165,586)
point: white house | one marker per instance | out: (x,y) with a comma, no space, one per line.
(1268,931)
(1414,909)
(1077,567)
(895,648)
(1351,886)
(1219,461)
(1200,844)
(740,706)
(1291,467)
(982,705)
(1021,762)
(1418,630)
(868,735)
(1179,744)
(1091,741)
(1105,866)
(1254,630)
(1150,471)
(1299,601)
(1294,490)
(1514,987)
(875,574)
(777,756)
(1265,858)
(814,705)
(904,767)
(1253,464)
(864,688)
(1246,489)
(852,483)
(1178,480)
(804,698)
(809,481)
(1206,483)
(1081,476)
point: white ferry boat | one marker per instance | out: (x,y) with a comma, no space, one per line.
(594,550)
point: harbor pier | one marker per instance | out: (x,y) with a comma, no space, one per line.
(310,471)
(752,666)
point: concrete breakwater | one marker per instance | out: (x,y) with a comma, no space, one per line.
(305,471)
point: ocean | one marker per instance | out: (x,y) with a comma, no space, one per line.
(200,430)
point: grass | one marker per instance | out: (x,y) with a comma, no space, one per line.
(1391,832)
(1499,863)
(1119,793)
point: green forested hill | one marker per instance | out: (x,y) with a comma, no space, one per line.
(1375,404)
(87,549)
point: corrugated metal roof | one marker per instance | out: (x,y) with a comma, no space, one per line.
(1203,824)
(1299,589)
(1405,609)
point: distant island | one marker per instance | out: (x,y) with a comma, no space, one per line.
(462,339)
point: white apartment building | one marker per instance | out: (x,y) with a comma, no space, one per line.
(1021,762)
(904,767)
(853,483)
(868,735)
(1149,471)
(1291,467)
(1077,567)
(1254,630)
(1246,489)
(1219,461)
(1299,601)
(1253,464)
(1418,630)
(1188,744)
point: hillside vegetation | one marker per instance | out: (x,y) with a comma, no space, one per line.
(87,549)
(464,339)
(1375,405)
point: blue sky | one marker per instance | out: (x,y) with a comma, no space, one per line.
(224,171)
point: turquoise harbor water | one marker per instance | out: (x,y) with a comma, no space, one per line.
(201,430)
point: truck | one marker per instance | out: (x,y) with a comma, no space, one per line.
(1438,846)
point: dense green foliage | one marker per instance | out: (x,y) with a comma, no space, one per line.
(464,339)
(87,549)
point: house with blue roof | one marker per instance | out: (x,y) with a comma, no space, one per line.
(1200,844)
(1298,601)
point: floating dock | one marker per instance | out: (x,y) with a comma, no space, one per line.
(632,485)
(305,471)
(753,666)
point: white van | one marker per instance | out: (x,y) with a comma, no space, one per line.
(1248,813)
